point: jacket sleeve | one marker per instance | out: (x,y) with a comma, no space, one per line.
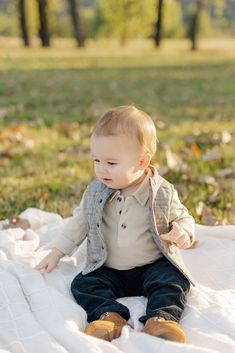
(73,233)
(179,213)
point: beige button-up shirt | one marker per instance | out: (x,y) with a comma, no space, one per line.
(126,229)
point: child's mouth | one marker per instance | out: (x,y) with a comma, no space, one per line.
(106,180)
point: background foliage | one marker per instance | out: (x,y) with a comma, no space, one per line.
(104,18)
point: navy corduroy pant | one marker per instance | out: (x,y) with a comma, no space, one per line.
(164,286)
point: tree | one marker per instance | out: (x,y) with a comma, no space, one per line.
(195,24)
(124,19)
(172,26)
(159,23)
(23,22)
(74,6)
(43,19)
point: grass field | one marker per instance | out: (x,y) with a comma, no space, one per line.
(49,99)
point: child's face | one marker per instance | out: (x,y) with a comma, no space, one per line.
(117,160)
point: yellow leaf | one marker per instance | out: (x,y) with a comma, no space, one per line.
(196,151)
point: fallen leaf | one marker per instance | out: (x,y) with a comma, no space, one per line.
(229,215)
(76,190)
(173,160)
(212,155)
(222,173)
(202,209)
(43,195)
(61,157)
(216,138)
(199,101)
(214,197)
(196,131)
(160,125)
(189,140)
(16,137)
(196,151)
(3,113)
(69,172)
(210,220)
(207,179)
(17,222)
(184,151)
(17,127)
(6,153)
(184,167)
(63,128)
(29,143)
(226,137)
(163,171)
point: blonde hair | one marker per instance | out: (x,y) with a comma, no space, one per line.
(128,120)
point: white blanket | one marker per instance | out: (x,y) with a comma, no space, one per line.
(39,315)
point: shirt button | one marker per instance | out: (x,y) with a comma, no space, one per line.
(97,225)
(100,201)
(119,198)
(124,226)
(120,212)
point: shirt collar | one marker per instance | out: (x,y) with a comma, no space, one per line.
(113,195)
(141,194)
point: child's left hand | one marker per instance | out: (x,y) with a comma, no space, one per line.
(178,236)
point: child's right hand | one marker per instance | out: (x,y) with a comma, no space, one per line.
(50,261)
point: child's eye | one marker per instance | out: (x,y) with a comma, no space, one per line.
(96,160)
(112,163)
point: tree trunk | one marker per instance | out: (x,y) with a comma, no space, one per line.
(43,19)
(158,26)
(23,23)
(195,24)
(74,6)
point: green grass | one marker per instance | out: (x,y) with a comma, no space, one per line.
(49,99)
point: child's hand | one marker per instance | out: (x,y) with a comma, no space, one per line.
(178,236)
(50,261)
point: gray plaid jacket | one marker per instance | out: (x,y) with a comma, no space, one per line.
(161,199)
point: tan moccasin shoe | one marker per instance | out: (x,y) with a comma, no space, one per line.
(108,327)
(167,329)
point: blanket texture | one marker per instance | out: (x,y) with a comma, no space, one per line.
(38,313)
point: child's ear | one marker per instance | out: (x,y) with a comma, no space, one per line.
(145,160)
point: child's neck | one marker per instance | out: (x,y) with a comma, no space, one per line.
(134,186)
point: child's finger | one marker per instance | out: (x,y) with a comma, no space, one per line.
(181,242)
(175,227)
(50,268)
(42,271)
(173,235)
(184,244)
(184,241)
(166,236)
(39,266)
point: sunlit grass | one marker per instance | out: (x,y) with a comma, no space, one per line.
(49,99)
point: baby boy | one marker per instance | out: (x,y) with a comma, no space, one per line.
(134,225)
